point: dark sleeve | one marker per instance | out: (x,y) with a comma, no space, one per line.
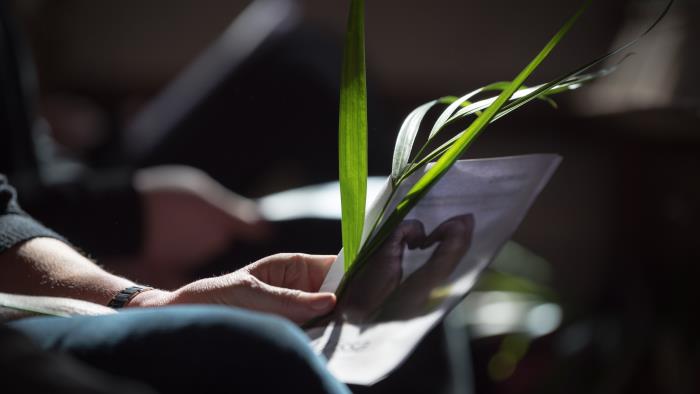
(15,225)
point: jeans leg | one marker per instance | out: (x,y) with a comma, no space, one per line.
(191,349)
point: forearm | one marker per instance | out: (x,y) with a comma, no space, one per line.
(35,261)
(49,267)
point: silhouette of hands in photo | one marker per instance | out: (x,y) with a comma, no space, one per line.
(377,293)
(382,273)
(413,297)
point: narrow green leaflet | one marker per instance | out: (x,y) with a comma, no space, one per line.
(352,134)
(408,131)
(447,113)
(406,138)
(522,92)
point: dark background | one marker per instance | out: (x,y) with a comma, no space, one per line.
(617,224)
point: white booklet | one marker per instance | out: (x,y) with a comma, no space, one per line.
(427,265)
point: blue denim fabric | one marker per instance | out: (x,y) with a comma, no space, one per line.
(195,349)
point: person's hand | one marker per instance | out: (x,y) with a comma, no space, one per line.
(189,217)
(282,284)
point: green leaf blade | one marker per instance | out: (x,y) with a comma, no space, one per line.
(352,134)
(406,138)
(463,101)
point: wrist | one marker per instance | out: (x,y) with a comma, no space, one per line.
(150,298)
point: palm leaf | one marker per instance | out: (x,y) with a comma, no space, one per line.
(513,96)
(449,111)
(407,136)
(352,135)
(423,185)
(411,125)
(475,108)
(409,130)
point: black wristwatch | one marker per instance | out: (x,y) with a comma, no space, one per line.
(123,297)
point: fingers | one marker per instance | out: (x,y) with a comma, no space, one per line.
(318,267)
(296,305)
(413,233)
(457,226)
(455,240)
(435,236)
(284,281)
(293,270)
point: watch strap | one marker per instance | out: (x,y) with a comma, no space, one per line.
(123,297)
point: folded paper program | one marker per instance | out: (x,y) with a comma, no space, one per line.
(427,265)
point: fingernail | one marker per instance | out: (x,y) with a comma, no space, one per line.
(321,303)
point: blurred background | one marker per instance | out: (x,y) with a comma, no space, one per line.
(247,91)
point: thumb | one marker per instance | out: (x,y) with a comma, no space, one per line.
(296,305)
